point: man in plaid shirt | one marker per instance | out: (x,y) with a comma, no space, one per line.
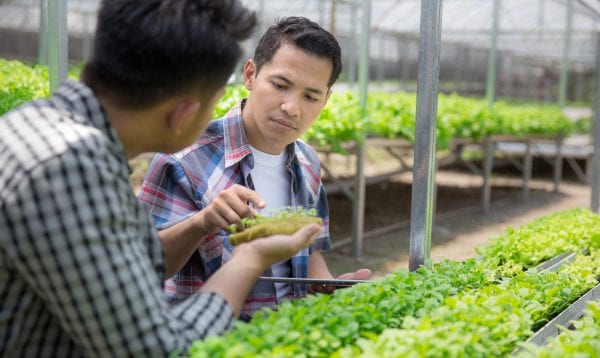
(256,146)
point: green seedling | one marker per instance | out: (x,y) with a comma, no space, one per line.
(284,222)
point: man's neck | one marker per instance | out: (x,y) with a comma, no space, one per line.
(125,123)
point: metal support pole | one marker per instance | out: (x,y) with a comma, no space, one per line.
(260,15)
(490,89)
(488,165)
(43,34)
(458,64)
(352,51)
(87,36)
(423,188)
(381,62)
(564,65)
(558,159)
(58,56)
(238,76)
(595,183)
(527,168)
(406,63)
(332,12)
(541,15)
(321,5)
(399,48)
(580,85)
(358,213)
(467,76)
(509,81)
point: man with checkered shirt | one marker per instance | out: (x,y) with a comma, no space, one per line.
(81,265)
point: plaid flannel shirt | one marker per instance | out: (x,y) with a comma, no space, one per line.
(179,185)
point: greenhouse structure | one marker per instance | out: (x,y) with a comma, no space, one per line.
(488,89)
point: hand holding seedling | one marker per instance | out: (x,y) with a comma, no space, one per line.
(250,259)
(272,249)
(229,207)
(284,222)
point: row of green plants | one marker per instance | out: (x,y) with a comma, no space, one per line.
(488,322)
(392,115)
(388,115)
(20,83)
(403,304)
(319,325)
(519,249)
(582,341)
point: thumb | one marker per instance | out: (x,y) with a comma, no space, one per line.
(307,235)
(360,274)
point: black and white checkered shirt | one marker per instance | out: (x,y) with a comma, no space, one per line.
(81,266)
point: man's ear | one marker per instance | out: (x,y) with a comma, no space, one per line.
(249,73)
(183,111)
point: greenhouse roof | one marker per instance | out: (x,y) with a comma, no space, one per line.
(531,28)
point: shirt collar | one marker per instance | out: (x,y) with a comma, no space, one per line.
(236,145)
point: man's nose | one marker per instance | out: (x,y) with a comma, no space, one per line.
(290,106)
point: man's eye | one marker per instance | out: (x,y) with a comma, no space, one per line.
(278,86)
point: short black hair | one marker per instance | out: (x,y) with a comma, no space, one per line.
(304,34)
(146,51)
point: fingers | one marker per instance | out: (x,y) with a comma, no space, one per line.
(237,198)
(226,213)
(306,235)
(276,248)
(360,274)
(247,196)
(231,205)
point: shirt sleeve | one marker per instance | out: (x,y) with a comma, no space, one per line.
(166,192)
(87,249)
(315,190)
(323,242)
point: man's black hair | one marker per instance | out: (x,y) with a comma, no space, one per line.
(304,34)
(148,50)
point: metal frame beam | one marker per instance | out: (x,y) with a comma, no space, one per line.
(424,167)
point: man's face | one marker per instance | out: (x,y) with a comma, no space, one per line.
(286,97)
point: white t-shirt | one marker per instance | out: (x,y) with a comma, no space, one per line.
(272,183)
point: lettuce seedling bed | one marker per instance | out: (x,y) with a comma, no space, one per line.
(564,319)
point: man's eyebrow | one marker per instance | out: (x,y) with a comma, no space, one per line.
(287,81)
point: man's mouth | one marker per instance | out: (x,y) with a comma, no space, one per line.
(284,123)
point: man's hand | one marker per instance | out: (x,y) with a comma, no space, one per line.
(229,207)
(270,250)
(236,277)
(360,274)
